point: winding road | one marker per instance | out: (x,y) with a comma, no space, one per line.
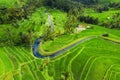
(35,48)
(38,42)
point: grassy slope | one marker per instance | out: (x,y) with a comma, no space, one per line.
(80,62)
(82,59)
(19,64)
(84,62)
(102,17)
(68,38)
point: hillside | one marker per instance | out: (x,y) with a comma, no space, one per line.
(85,61)
(59,40)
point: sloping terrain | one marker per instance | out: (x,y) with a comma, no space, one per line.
(85,50)
(94,59)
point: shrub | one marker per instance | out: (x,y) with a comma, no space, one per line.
(105,34)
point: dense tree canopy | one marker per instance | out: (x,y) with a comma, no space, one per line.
(65,5)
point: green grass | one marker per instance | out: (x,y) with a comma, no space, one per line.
(94,59)
(90,57)
(102,17)
(69,38)
(96,52)
(2,69)
(19,63)
(7,62)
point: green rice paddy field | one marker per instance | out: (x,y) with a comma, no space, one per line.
(94,59)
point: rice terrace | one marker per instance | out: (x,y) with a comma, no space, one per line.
(59,39)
